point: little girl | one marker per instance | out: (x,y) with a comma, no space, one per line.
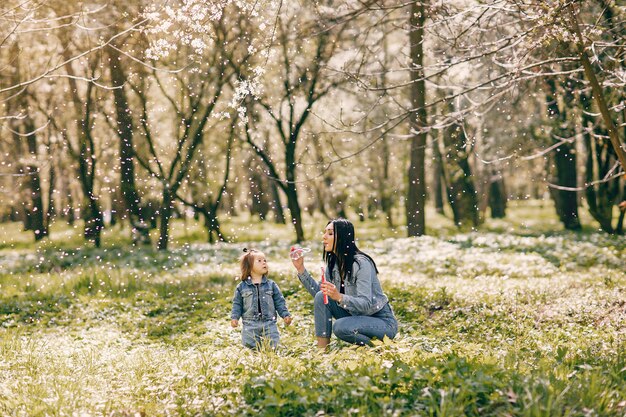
(257,300)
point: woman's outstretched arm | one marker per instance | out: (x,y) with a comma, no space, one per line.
(309,282)
(305,278)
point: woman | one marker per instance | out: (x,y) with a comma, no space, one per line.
(355,298)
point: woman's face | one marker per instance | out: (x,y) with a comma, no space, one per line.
(329,238)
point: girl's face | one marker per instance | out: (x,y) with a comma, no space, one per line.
(329,238)
(259,267)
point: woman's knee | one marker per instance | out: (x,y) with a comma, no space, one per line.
(342,329)
(346,331)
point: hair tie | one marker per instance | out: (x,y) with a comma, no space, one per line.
(245,249)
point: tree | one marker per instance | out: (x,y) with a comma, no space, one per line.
(302,57)
(459,185)
(500,46)
(84,151)
(125,127)
(194,96)
(564,156)
(416,194)
(203,199)
(598,94)
(497,196)
(24,134)
(600,190)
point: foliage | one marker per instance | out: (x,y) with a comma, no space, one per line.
(518,323)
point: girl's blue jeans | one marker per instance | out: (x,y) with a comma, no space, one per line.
(254,333)
(353,329)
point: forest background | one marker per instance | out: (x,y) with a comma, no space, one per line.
(478,146)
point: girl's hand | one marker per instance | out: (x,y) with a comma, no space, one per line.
(330,290)
(287,320)
(234,323)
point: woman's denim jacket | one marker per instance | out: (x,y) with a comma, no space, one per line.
(363,296)
(245,301)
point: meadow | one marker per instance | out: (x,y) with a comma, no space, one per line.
(518,318)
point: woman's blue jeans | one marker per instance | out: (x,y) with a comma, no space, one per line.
(352,329)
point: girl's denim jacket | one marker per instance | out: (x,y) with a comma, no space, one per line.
(246,301)
(363,296)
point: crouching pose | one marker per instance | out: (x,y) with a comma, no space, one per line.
(353,292)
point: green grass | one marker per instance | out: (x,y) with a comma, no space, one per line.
(516,319)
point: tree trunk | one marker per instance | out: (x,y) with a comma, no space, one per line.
(139,226)
(416,196)
(598,94)
(294,209)
(291,190)
(385,191)
(438,183)
(566,201)
(165,215)
(279,214)
(36,220)
(71,216)
(34,213)
(461,191)
(86,154)
(600,197)
(387,206)
(619,228)
(94,223)
(212,225)
(51,212)
(497,196)
(258,201)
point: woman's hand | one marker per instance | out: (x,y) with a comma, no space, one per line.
(287,320)
(234,323)
(330,290)
(298,263)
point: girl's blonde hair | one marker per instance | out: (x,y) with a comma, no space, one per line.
(246,262)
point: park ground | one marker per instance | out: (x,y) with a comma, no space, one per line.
(518,318)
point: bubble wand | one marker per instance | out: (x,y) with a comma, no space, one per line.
(298,252)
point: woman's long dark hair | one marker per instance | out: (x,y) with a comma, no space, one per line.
(345,249)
